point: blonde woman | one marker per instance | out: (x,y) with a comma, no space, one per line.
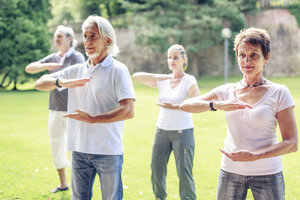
(174,130)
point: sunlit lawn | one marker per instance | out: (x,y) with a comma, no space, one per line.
(26,170)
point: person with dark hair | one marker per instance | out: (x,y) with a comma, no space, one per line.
(101,97)
(252,155)
(64,39)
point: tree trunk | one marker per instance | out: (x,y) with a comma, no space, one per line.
(3,80)
(15,84)
(194,65)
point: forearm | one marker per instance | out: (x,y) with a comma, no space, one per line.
(37,67)
(45,83)
(194,105)
(119,114)
(284,147)
(145,78)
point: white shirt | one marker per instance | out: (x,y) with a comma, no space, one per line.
(110,82)
(254,129)
(174,119)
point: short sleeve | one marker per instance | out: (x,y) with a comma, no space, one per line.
(80,58)
(48,59)
(222,91)
(284,98)
(123,84)
(192,81)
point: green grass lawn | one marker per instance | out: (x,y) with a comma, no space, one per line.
(26,169)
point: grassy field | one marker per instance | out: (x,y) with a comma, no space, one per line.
(26,169)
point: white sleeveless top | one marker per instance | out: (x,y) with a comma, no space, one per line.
(174,119)
(254,129)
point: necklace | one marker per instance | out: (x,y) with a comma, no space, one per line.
(256,85)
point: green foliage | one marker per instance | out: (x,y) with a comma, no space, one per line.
(295,10)
(104,8)
(246,5)
(161,23)
(24,37)
(197,26)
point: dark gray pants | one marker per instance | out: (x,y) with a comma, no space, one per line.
(182,143)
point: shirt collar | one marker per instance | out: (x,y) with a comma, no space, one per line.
(68,53)
(105,63)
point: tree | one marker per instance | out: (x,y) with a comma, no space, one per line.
(24,37)
(195,24)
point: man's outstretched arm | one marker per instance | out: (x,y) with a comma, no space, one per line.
(47,83)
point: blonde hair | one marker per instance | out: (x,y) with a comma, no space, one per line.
(256,37)
(105,29)
(180,48)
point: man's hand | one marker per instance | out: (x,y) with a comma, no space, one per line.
(81,116)
(72,83)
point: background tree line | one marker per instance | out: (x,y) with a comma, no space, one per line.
(25,37)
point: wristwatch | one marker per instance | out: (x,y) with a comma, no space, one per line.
(56,83)
(211,105)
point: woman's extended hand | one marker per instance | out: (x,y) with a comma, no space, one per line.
(169,105)
(242,155)
(231,105)
(81,115)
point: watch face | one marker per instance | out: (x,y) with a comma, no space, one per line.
(56,83)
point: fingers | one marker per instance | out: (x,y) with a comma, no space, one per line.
(242,103)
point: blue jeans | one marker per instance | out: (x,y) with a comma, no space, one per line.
(182,143)
(84,169)
(234,187)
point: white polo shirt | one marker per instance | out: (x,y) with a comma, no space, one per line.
(110,82)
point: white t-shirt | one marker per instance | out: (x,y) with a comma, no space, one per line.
(253,129)
(110,82)
(174,119)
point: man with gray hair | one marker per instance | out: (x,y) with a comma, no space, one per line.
(101,97)
(66,56)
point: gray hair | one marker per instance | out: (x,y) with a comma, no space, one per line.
(69,33)
(105,29)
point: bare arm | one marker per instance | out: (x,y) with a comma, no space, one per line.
(36,67)
(149,79)
(193,91)
(289,143)
(123,112)
(201,104)
(47,83)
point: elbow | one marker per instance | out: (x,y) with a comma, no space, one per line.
(27,69)
(294,147)
(38,85)
(134,76)
(130,114)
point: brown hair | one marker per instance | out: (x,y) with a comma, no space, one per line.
(254,36)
